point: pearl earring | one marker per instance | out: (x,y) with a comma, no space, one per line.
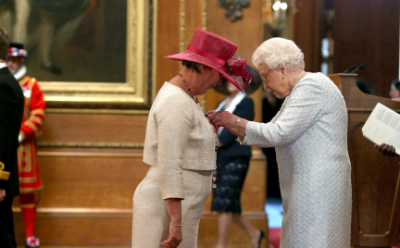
(284,76)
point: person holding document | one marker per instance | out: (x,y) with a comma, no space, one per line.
(386,149)
(310,137)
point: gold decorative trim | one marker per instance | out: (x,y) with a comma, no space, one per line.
(32,205)
(182,27)
(23,80)
(98,111)
(204,23)
(138,154)
(32,126)
(37,111)
(36,119)
(86,211)
(30,190)
(4,175)
(138,90)
(90,145)
(127,211)
(204,15)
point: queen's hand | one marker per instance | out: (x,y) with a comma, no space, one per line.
(231,122)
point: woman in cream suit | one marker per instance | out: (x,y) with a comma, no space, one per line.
(180,146)
(310,136)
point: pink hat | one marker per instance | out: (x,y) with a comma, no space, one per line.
(216,52)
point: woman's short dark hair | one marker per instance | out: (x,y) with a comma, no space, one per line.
(396,84)
(4,44)
(193,65)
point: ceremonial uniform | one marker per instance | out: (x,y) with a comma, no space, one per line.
(29,177)
(28,167)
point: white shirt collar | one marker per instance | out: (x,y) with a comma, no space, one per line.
(238,98)
(20,73)
(2,65)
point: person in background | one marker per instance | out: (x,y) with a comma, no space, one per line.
(11,111)
(386,149)
(233,162)
(29,176)
(270,107)
(310,137)
(180,146)
(394,92)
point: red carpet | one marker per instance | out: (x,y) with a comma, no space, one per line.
(274,236)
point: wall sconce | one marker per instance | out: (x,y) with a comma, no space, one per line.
(233,8)
(274,15)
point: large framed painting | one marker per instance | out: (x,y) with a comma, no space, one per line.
(87,54)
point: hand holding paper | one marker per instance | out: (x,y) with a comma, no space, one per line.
(383,128)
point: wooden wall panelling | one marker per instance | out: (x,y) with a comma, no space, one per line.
(107,178)
(95,128)
(95,187)
(81,229)
(167,40)
(193,19)
(89,164)
(306,31)
(367,31)
(101,178)
(246,33)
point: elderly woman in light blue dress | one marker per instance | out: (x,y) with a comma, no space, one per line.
(310,137)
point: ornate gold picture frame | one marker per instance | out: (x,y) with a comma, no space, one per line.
(138,91)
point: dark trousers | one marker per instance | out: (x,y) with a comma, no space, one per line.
(7,236)
(273,188)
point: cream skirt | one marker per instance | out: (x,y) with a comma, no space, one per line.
(150,223)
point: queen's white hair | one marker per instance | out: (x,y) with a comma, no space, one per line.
(279,52)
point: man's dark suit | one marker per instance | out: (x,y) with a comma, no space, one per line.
(11,112)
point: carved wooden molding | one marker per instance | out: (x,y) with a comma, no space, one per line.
(90,145)
(233,8)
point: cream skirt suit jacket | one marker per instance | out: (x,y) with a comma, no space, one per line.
(310,136)
(180,149)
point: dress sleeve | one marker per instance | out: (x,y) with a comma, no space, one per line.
(302,110)
(174,123)
(33,124)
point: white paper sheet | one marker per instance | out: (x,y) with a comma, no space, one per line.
(383,126)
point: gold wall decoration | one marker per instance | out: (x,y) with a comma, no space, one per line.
(137,91)
(204,15)
(204,23)
(233,8)
(182,27)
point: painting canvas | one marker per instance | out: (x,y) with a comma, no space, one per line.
(87,54)
(70,40)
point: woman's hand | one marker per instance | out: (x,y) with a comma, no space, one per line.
(386,149)
(174,209)
(174,238)
(2,194)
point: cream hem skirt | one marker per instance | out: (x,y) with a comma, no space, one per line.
(150,223)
